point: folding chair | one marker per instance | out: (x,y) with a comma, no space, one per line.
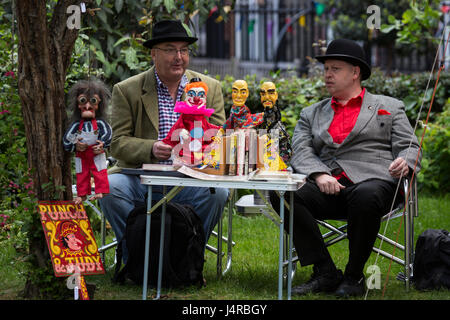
(408,209)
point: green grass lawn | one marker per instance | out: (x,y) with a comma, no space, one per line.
(254,270)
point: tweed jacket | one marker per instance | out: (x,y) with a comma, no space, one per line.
(135,117)
(381,134)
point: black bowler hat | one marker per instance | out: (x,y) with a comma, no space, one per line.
(349,51)
(168,30)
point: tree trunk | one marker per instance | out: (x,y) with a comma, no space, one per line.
(45,48)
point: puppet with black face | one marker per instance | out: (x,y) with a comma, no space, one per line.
(88,136)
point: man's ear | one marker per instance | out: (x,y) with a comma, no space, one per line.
(357,72)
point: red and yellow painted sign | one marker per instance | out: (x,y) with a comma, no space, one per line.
(70,239)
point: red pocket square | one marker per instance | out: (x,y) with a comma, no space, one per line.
(383,112)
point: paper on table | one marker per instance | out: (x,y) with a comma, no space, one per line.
(204,176)
(284,176)
(159,167)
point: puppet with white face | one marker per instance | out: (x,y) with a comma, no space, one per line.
(192,132)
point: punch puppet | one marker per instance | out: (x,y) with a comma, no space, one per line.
(88,136)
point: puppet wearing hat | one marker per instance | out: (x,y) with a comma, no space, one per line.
(192,132)
(88,136)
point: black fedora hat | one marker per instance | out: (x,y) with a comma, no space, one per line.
(168,30)
(349,51)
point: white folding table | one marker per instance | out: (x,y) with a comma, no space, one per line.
(288,185)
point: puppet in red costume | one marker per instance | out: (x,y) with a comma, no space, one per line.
(88,136)
(192,133)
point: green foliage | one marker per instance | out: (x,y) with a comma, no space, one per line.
(79,62)
(114,36)
(410,88)
(435,173)
(417,24)
(405,25)
(111,40)
(16,188)
(348,18)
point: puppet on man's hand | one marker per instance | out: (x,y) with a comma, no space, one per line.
(192,132)
(88,136)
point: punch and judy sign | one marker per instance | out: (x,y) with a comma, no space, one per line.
(70,239)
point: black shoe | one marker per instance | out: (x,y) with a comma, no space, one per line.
(351,287)
(326,282)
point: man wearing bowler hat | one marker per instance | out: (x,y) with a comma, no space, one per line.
(142,115)
(353,147)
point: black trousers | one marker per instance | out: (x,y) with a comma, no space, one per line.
(362,205)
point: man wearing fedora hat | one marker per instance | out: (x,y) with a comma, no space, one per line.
(353,147)
(142,115)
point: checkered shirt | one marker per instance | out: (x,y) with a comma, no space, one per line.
(167,117)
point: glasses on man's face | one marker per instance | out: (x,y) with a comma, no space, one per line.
(83,100)
(173,52)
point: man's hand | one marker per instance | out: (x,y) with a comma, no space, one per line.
(161,151)
(398,168)
(328,184)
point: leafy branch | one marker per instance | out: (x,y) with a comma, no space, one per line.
(416,24)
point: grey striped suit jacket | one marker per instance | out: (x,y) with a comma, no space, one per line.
(375,141)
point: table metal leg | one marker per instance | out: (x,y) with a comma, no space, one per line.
(221,238)
(281,248)
(161,246)
(219,248)
(291,227)
(230,234)
(147,243)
